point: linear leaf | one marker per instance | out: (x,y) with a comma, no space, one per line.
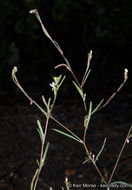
(78,89)
(67,62)
(40,130)
(65,134)
(40,134)
(62,81)
(97,157)
(45,153)
(89,115)
(37,162)
(44,101)
(122,183)
(57,45)
(48,105)
(86,77)
(40,108)
(97,106)
(35,175)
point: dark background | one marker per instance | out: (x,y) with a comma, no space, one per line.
(78,26)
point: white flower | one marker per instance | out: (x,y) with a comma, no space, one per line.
(52,84)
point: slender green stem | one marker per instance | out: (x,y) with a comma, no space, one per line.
(41,154)
(88,64)
(66,128)
(117,91)
(54,100)
(88,153)
(94,163)
(84,136)
(118,158)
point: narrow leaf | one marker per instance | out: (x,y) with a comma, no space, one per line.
(67,62)
(40,134)
(39,19)
(97,106)
(124,184)
(65,134)
(45,153)
(97,157)
(45,31)
(35,175)
(57,79)
(57,45)
(44,101)
(89,115)
(86,77)
(48,106)
(62,81)
(37,162)
(78,89)
(41,109)
(40,130)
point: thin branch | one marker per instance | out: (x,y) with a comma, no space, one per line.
(88,64)
(66,128)
(115,166)
(35,11)
(118,90)
(94,163)
(41,154)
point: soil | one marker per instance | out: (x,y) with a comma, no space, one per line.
(20,145)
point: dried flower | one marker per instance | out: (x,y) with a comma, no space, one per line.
(125,74)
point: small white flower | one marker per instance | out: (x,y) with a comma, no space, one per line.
(52,84)
(125,74)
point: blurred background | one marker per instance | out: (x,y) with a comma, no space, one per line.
(105,27)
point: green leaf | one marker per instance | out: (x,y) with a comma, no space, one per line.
(122,183)
(97,157)
(65,134)
(44,101)
(57,45)
(86,77)
(48,106)
(62,81)
(40,134)
(57,79)
(40,130)
(39,19)
(87,117)
(78,89)
(41,109)
(37,162)
(35,175)
(44,29)
(45,153)
(68,64)
(97,106)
